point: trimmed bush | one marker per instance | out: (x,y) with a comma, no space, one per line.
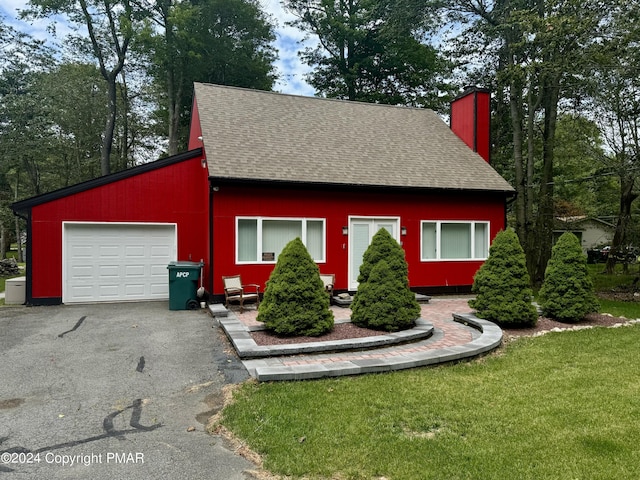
(295,302)
(383,300)
(567,293)
(502,284)
(384,247)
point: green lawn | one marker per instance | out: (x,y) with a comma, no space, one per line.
(562,406)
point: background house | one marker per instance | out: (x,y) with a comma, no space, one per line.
(263,168)
(592,232)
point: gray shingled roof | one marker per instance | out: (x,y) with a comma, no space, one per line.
(250,134)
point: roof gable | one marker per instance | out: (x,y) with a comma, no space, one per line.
(257,135)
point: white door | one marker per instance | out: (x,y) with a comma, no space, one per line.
(112,262)
(361,232)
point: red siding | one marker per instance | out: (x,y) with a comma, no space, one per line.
(195,130)
(176,193)
(470,120)
(336,207)
(483,124)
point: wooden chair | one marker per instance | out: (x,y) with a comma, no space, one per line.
(235,291)
(328,280)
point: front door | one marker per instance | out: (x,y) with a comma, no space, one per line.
(361,231)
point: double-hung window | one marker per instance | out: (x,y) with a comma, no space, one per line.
(261,239)
(454,240)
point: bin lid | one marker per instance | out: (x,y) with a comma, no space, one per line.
(184,263)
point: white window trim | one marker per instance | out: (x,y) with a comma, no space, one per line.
(438,240)
(259,220)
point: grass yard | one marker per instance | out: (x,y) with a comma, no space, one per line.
(561,406)
(604,282)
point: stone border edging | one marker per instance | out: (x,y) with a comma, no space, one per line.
(246,347)
(490,339)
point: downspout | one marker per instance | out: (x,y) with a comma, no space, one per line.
(211,262)
(29,271)
(508,200)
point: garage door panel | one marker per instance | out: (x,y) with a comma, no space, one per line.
(116,262)
(134,291)
(82,271)
(134,271)
(109,251)
(158,290)
(83,291)
(134,251)
(107,293)
(159,251)
(158,271)
(106,271)
(81,251)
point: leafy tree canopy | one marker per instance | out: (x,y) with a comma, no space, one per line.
(371,51)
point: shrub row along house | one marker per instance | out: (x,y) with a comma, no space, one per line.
(262,169)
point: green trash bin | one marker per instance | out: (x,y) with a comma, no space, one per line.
(183,285)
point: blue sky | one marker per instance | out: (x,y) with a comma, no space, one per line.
(290,69)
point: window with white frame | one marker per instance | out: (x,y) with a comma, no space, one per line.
(455,240)
(261,239)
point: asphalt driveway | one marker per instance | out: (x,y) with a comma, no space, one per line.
(110,391)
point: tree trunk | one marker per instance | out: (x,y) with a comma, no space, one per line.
(545,219)
(627,196)
(515,105)
(174,88)
(20,257)
(109,128)
(3,241)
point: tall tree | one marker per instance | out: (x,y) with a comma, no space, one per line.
(24,125)
(110,26)
(371,51)
(616,95)
(227,42)
(538,51)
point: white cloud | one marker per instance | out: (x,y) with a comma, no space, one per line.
(41,29)
(289,41)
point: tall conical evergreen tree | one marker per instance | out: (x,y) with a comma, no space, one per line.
(383,300)
(567,293)
(295,302)
(502,284)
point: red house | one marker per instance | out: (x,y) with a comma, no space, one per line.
(263,168)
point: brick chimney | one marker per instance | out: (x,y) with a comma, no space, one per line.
(471,119)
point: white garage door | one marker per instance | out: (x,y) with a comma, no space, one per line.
(112,262)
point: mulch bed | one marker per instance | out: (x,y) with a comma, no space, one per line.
(546,324)
(340,332)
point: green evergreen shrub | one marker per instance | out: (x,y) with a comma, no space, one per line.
(383,300)
(295,302)
(567,293)
(384,247)
(502,284)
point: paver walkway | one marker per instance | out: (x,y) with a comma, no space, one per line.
(452,339)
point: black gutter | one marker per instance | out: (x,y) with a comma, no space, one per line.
(300,185)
